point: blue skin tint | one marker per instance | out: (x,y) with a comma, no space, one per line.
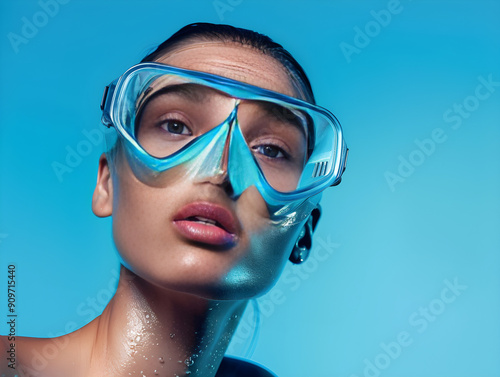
(178,302)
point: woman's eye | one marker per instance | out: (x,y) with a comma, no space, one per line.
(176,127)
(270,151)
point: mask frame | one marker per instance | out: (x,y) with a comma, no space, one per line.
(322,172)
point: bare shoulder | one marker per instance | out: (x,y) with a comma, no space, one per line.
(235,367)
(8,364)
(28,356)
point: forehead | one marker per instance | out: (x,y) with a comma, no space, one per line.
(232,60)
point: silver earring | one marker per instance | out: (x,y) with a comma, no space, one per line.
(300,251)
(299,254)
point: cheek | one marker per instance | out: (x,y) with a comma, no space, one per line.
(268,248)
(140,214)
(261,267)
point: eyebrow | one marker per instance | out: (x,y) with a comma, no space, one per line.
(282,113)
(190,91)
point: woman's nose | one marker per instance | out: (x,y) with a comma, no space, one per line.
(214,168)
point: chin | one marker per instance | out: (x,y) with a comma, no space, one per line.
(229,292)
(241,283)
(209,280)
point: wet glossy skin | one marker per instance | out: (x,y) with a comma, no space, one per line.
(178,300)
(143,214)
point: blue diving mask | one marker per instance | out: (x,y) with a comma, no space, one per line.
(289,149)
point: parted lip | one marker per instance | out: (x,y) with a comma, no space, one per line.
(196,211)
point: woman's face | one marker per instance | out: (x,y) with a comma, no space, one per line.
(165,233)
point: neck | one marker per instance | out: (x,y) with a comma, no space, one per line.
(150,331)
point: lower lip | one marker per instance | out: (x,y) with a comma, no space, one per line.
(204,233)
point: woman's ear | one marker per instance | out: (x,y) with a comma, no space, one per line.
(303,245)
(102,200)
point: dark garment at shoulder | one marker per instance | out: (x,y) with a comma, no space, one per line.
(231,367)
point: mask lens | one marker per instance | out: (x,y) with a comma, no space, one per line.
(295,148)
(171,115)
(277,137)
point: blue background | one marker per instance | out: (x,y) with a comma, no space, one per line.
(382,251)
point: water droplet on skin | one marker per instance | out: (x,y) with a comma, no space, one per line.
(189,362)
(161,360)
(172,335)
(156,372)
(147,315)
(179,361)
(188,372)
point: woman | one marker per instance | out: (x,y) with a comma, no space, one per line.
(213,183)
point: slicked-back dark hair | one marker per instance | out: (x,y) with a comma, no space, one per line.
(226,33)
